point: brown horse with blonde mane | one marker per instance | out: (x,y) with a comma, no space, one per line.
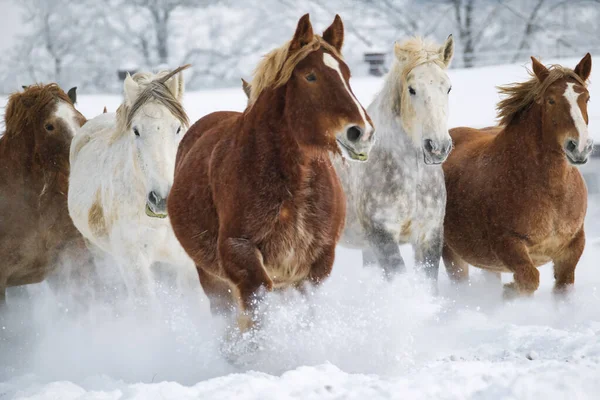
(516,200)
(35,227)
(256,202)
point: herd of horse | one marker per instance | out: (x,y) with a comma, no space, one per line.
(259,200)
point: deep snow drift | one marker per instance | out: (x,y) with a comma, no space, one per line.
(356,337)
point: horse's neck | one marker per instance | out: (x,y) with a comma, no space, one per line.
(525,143)
(266,133)
(390,134)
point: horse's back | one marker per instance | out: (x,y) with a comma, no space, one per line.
(463,135)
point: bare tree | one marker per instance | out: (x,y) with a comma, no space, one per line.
(160,13)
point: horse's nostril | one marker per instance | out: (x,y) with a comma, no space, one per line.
(354,133)
(571,145)
(428,145)
(153,198)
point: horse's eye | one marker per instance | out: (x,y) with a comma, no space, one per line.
(588,100)
(411,90)
(49,127)
(449,89)
(311,77)
(179,129)
(551,101)
(136,131)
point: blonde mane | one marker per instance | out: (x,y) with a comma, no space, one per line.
(276,68)
(153,88)
(520,96)
(418,51)
(409,54)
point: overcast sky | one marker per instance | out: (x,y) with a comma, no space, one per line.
(10,23)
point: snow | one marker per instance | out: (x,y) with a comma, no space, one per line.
(356,337)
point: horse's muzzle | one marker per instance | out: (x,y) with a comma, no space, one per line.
(156,205)
(435,151)
(575,156)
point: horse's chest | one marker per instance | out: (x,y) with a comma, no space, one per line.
(288,252)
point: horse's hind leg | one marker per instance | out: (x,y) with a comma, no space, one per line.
(566,262)
(456,267)
(218,291)
(386,251)
(428,255)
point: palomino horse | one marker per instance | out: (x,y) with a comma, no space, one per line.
(516,200)
(255,201)
(406,203)
(36,229)
(122,168)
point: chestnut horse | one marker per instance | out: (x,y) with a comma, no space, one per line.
(516,200)
(35,227)
(256,201)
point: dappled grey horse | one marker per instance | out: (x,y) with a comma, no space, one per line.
(399,195)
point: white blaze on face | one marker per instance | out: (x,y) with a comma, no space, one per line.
(571,95)
(332,63)
(68,115)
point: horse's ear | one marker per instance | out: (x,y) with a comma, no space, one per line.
(334,35)
(247,88)
(105,110)
(584,68)
(72,93)
(447,51)
(539,69)
(131,90)
(24,87)
(304,34)
(176,85)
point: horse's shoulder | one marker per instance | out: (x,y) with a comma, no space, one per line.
(102,124)
(202,137)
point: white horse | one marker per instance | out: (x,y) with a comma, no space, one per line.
(406,203)
(122,168)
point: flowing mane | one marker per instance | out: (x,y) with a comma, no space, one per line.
(520,96)
(27,108)
(154,88)
(276,68)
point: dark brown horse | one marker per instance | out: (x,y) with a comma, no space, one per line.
(35,227)
(516,200)
(255,201)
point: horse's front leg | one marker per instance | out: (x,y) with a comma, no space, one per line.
(218,291)
(566,262)
(515,256)
(243,265)
(428,254)
(386,250)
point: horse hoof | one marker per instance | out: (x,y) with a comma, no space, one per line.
(240,348)
(512,291)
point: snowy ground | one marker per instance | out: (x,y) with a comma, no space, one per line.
(356,337)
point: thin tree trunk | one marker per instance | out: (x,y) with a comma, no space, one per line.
(465,31)
(529,28)
(161,22)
